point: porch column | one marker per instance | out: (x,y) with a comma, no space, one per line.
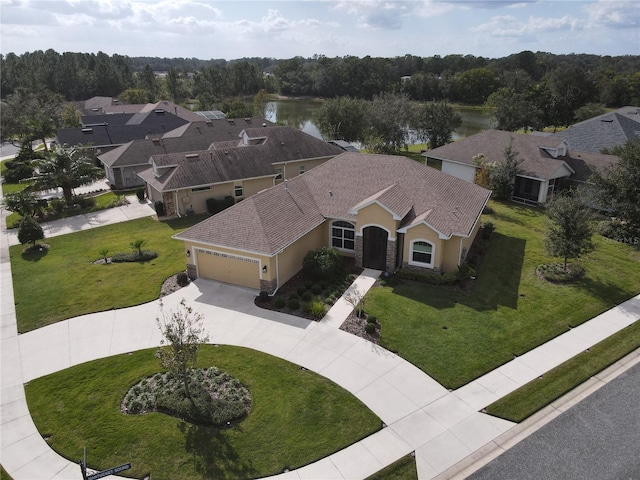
(391,255)
(358,250)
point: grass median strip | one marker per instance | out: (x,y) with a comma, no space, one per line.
(537,394)
(297,417)
(403,469)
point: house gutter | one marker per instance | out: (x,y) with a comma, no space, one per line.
(175,199)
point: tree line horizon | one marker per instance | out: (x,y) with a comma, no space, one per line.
(612,81)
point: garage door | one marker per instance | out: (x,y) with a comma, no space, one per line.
(228,268)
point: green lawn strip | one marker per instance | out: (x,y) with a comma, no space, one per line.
(4,475)
(63,282)
(297,417)
(540,392)
(456,336)
(403,469)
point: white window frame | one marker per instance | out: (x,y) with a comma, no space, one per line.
(421,264)
(239,188)
(302,169)
(342,238)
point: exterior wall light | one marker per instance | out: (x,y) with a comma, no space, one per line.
(264,269)
(188,253)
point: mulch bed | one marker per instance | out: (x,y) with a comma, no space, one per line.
(355,326)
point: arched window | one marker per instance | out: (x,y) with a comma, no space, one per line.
(421,254)
(343,235)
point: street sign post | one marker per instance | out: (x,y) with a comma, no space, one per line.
(103,473)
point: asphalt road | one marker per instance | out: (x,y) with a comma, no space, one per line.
(597,439)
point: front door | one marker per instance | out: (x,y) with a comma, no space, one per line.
(374,248)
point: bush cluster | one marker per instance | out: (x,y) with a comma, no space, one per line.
(216,397)
(16,171)
(555,273)
(464,272)
(145,256)
(324,264)
(183,279)
(618,231)
(216,206)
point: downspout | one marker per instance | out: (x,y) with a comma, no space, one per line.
(277,276)
(175,201)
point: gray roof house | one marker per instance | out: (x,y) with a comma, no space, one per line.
(604,132)
(123,163)
(259,158)
(546,161)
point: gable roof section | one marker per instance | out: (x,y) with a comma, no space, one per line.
(264,223)
(284,213)
(208,167)
(289,143)
(584,163)
(538,163)
(392,199)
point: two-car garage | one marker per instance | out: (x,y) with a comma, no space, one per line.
(227,267)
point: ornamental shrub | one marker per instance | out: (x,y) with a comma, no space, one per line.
(316,289)
(370,328)
(264,296)
(306,296)
(183,279)
(294,304)
(372,319)
(140,194)
(279,302)
(324,263)
(293,296)
(143,256)
(159,206)
(301,289)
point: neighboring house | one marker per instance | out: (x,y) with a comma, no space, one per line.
(95,105)
(385,211)
(258,159)
(110,126)
(346,146)
(547,161)
(604,132)
(122,164)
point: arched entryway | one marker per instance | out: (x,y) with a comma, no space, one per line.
(374,248)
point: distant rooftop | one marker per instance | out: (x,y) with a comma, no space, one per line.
(212,114)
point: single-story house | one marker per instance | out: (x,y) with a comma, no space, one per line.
(385,211)
(603,132)
(547,161)
(122,164)
(260,158)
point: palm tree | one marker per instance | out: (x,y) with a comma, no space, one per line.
(67,168)
(138,244)
(23,202)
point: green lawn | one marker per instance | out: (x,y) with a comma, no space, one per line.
(297,417)
(63,282)
(403,469)
(538,393)
(456,336)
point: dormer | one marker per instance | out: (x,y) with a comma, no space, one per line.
(559,151)
(247,140)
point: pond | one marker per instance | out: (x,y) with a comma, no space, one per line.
(298,113)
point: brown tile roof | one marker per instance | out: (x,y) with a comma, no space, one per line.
(270,220)
(537,163)
(584,163)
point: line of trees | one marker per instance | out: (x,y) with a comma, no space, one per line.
(576,79)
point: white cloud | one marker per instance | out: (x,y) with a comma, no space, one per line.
(510,26)
(613,14)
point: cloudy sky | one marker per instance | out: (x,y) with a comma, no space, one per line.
(282,29)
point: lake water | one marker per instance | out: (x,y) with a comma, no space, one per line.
(298,113)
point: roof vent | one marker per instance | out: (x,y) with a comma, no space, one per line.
(264,124)
(191,155)
(247,119)
(230,120)
(87,130)
(159,111)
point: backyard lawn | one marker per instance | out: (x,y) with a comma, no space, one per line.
(297,417)
(63,282)
(456,336)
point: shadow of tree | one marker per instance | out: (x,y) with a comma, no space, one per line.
(606,292)
(35,254)
(213,456)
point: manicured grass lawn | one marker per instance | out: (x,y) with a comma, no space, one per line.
(297,417)
(535,395)
(456,336)
(63,282)
(403,469)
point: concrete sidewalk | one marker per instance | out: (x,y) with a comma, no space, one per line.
(134,209)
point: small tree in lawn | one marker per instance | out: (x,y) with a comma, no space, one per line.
(29,231)
(138,244)
(182,334)
(570,228)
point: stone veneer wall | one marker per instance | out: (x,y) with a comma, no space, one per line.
(191,271)
(391,255)
(358,251)
(268,285)
(169,204)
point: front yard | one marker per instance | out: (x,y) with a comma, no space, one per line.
(456,336)
(63,282)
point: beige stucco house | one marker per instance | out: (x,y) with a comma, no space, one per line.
(385,211)
(257,159)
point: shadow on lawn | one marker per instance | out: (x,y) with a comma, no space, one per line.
(213,456)
(608,293)
(497,280)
